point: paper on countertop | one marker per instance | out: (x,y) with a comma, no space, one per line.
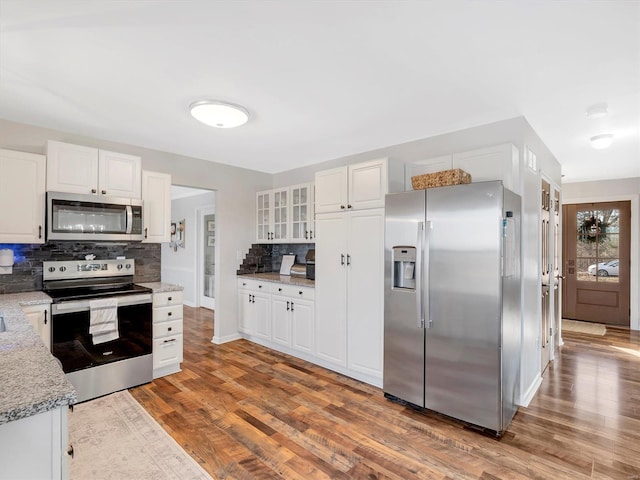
(287,263)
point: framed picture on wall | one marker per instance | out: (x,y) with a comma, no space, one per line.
(211,226)
(211,240)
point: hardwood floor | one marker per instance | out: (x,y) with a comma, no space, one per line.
(244,411)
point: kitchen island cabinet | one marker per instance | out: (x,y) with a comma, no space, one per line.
(22,197)
(34,398)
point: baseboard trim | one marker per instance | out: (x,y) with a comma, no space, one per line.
(228,338)
(531,391)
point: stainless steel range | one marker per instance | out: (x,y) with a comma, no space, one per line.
(101,325)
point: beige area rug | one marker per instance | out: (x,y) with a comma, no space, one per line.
(583,327)
(114,438)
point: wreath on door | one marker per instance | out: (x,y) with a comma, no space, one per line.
(593,230)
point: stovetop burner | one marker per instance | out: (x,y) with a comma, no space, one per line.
(79,279)
(93,291)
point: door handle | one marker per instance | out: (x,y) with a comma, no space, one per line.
(39,231)
(287,306)
(348,259)
(342,259)
(418,274)
(292,306)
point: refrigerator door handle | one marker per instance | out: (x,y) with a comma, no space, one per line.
(418,274)
(426,240)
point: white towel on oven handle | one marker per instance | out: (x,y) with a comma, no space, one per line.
(103,320)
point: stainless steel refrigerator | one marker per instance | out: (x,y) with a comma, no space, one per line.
(452,301)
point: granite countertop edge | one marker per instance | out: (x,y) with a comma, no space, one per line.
(158,287)
(275,277)
(33,381)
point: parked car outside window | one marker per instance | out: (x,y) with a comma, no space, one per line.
(605,269)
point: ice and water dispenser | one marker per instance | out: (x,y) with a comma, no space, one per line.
(404,268)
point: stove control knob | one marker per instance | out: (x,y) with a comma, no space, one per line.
(119,266)
(128,266)
(52,269)
(63,269)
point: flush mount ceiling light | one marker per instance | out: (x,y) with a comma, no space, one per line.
(219,114)
(597,111)
(601,141)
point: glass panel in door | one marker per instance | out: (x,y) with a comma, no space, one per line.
(209,260)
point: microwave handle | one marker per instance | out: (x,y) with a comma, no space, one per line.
(129,218)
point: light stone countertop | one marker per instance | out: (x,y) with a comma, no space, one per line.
(32,380)
(158,287)
(275,277)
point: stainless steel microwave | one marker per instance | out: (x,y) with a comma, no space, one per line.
(73,216)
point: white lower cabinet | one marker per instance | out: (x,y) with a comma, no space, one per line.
(39,317)
(254,308)
(35,447)
(277,315)
(167,333)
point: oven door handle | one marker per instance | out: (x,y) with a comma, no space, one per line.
(82,305)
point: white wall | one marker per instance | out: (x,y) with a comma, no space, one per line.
(180,266)
(615,190)
(235,200)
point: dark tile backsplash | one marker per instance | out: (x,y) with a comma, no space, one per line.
(267,257)
(27,269)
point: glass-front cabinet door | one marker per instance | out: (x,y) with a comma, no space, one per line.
(302,224)
(280,214)
(263,216)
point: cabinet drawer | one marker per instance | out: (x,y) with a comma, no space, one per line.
(253,284)
(163,299)
(167,351)
(164,329)
(162,314)
(293,291)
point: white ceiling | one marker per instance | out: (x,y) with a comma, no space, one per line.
(325,79)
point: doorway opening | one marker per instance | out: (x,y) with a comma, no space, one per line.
(192,261)
(596,251)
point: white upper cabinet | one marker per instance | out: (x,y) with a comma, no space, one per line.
(352,187)
(272,215)
(22,179)
(301,213)
(119,174)
(331,190)
(85,170)
(156,206)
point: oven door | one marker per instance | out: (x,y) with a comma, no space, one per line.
(73,345)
